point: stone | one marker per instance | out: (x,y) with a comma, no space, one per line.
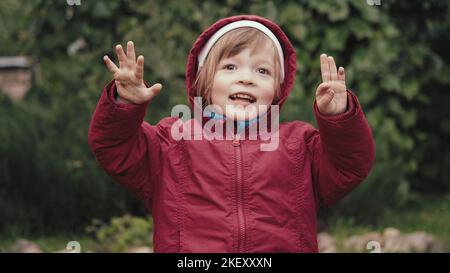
(25,246)
(327,244)
(139,249)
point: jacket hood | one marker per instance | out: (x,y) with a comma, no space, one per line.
(290,57)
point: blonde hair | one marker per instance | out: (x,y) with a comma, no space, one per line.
(229,45)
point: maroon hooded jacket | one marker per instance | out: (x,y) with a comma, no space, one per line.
(225,196)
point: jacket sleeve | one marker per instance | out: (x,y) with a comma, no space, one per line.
(126,147)
(343,152)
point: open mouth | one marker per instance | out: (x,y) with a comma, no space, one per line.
(242,97)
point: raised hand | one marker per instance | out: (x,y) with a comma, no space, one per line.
(331,94)
(129,76)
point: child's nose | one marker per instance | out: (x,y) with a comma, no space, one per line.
(246,77)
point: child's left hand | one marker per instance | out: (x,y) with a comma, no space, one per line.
(331,95)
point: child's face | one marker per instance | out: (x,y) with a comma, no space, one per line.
(244,82)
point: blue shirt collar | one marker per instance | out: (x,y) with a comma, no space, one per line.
(241,125)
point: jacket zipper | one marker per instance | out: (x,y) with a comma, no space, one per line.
(239,193)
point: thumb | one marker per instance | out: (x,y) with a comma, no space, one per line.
(153,90)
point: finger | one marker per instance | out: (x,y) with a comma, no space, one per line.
(140,68)
(121,55)
(326,98)
(333,71)
(324,68)
(110,65)
(341,74)
(130,51)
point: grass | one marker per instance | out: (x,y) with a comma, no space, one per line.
(52,244)
(431,214)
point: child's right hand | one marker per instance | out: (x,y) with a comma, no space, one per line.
(130,76)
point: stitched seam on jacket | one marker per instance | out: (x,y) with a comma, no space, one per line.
(231,200)
(182,173)
(299,156)
(247,201)
(251,218)
(302,197)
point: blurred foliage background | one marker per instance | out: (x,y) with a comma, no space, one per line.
(395,54)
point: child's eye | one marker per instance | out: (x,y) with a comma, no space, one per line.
(230,67)
(263,71)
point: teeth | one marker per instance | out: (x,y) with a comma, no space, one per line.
(242,96)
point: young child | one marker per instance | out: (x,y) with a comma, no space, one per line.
(227,195)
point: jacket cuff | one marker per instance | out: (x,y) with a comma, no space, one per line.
(342,121)
(121,110)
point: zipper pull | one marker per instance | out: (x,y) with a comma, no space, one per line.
(236,141)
